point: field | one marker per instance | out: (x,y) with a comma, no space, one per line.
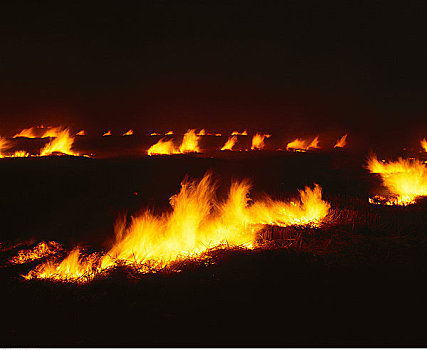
(357,280)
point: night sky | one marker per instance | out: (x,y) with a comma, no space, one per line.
(274,66)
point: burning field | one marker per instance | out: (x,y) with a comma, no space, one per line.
(209,239)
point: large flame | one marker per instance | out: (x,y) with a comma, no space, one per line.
(162,147)
(62,143)
(406,179)
(342,142)
(197,221)
(258,141)
(302,145)
(229,144)
(190,142)
(424,144)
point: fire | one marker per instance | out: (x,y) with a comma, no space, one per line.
(39,132)
(236,133)
(162,147)
(81,133)
(154,134)
(258,141)
(424,144)
(301,145)
(190,142)
(4,145)
(41,250)
(108,133)
(197,221)
(20,154)
(128,133)
(218,134)
(29,133)
(62,143)
(228,146)
(406,179)
(202,132)
(342,142)
(169,132)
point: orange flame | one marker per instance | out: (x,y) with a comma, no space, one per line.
(41,250)
(236,133)
(301,145)
(62,143)
(406,179)
(342,142)
(162,147)
(81,133)
(4,145)
(154,134)
(190,142)
(169,132)
(128,133)
(424,144)
(258,141)
(197,222)
(228,146)
(202,132)
(108,133)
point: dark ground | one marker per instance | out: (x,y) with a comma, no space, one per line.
(357,281)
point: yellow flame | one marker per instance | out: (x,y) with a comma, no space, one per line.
(424,144)
(258,141)
(29,133)
(236,133)
(20,154)
(169,132)
(162,147)
(41,250)
(62,143)
(228,146)
(4,145)
(108,133)
(218,134)
(81,133)
(406,179)
(197,221)
(202,132)
(342,142)
(190,142)
(128,133)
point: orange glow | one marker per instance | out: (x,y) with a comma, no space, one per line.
(258,141)
(218,134)
(62,143)
(190,142)
(196,222)
(342,142)
(29,133)
(41,250)
(301,145)
(406,180)
(169,132)
(424,144)
(236,133)
(81,133)
(4,145)
(128,133)
(162,147)
(108,133)
(228,146)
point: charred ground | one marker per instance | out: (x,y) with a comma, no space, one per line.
(357,281)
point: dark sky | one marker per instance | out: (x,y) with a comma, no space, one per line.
(261,65)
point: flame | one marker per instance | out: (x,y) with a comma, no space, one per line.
(190,142)
(29,133)
(424,144)
(218,134)
(108,133)
(154,134)
(128,133)
(258,141)
(39,132)
(162,147)
(202,132)
(342,142)
(197,221)
(301,145)
(81,133)
(4,145)
(62,143)
(20,154)
(169,132)
(406,179)
(236,133)
(228,146)
(41,250)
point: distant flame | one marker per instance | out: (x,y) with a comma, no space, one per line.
(406,179)
(190,143)
(258,141)
(303,145)
(162,147)
(196,222)
(201,132)
(342,142)
(236,133)
(4,145)
(108,133)
(128,133)
(228,146)
(39,132)
(424,144)
(154,134)
(169,132)
(81,133)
